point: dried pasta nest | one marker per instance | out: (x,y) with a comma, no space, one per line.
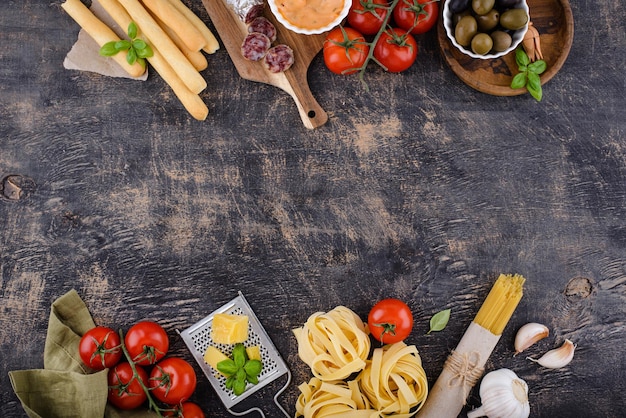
(394,380)
(334,344)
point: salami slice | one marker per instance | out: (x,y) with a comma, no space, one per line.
(279,58)
(255,46)
(262,25)
(254,12)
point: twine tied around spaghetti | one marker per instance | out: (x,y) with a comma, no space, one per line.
(465,370)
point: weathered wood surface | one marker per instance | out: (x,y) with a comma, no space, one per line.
(422,189)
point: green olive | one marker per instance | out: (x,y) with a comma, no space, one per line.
(514,19)
(481,43)
(465,30)
(482,7)
(501,40)
(488,21)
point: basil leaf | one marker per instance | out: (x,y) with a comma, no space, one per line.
(139,44)
(521,58)
(536,93)
(253,379)
(123,45)
(538,66)
(253,367)
(534,82)
(519,81)
(239,386)
(229,382)
(227,367)
(132,30)
(439,320)
(145,52)
(131,56)
(239,355)
(108,49)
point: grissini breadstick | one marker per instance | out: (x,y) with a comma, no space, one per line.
(177,22)
(212,44)
(159,39)
(191,101)
(100,32)
(196,58)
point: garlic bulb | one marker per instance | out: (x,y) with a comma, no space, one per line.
(528,335)
(504,395)
(559,357)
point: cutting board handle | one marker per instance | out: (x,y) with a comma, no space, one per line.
(311,113)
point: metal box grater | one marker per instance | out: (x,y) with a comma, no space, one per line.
(198,338)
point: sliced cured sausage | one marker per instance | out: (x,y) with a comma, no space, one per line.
(279,58)
(262,25)
(255,46)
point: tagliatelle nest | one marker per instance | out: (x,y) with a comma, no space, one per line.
(333,344)
(333,399)
(394,381)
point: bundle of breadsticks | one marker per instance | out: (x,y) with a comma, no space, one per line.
(177,36)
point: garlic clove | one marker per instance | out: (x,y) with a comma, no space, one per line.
(503,395)
(529,334)
(559,357)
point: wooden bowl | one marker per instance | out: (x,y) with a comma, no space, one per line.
(555,23)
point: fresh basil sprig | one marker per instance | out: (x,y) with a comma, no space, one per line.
(137,49)
(529,74)
(239,370)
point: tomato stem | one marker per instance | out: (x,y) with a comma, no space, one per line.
(151,403)
(370,54)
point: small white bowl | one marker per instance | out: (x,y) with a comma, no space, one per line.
(329,26)
(517,36)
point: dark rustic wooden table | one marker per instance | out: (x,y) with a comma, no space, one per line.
(422,189)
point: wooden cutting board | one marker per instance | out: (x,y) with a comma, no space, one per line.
(232,31)
(554,21)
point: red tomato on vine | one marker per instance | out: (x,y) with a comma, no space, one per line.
(147,342)
(345,50)
(416,16)
(396,50)
(172,380)
(100,348)
(390,321)
(125,391)
(186,410)
(367,16)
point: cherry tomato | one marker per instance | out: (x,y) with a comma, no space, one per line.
(367,16)
(125,391)
(390,321)
(186,410)
(345,50)
(146,342)
(172,380)
(396,50)
(100,348)
(416,16)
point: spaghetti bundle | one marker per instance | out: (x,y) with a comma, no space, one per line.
(333,344)
(465,365)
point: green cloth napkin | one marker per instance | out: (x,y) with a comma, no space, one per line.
(65,387)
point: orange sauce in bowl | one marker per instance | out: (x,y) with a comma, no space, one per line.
(310,14)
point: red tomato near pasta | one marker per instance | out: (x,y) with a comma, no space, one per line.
(390,321)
